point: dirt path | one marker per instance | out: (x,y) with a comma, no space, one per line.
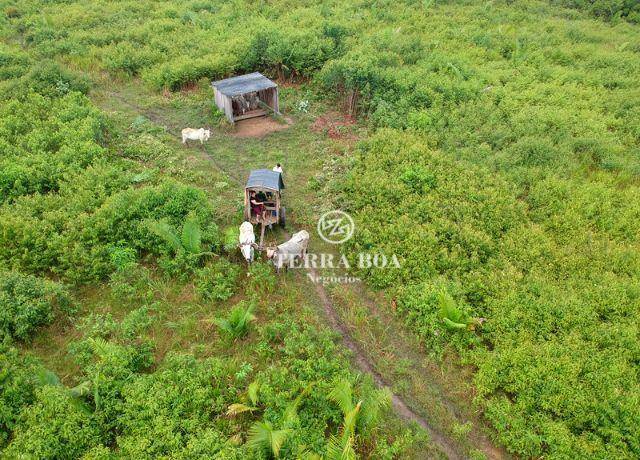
(363,363)
(450,448)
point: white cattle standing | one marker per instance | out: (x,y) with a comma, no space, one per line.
(286,253)
(247,241)
(195,134)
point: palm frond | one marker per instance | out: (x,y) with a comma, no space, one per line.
(291,411)
(350,419)
(252,392)
(308,455)
(453,325)
(262,436)
(340,448)
(451,315)
(100,346)
(80,390)
(342,395)
(191,235)
(225,325)
(166,232)
(372,406)
(237,323)
(47,377)
(239,408)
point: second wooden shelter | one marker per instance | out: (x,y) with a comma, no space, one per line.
(246,96)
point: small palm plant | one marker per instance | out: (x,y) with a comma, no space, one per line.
(262,435)
(236,325)
(252,395)
(358,417)
(189,241)
(452,317)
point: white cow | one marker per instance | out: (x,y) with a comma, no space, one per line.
(247,241)
(195,134)
(286,253)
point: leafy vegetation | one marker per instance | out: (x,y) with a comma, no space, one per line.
(502,169)
(527,263)
(237,324)
(83,202)
(607,9)
(27,302)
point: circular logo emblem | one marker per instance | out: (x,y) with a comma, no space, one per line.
(336,227)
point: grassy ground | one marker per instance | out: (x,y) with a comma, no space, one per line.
(311,150)
(449,67)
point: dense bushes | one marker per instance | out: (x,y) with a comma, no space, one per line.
(185,407)
(607,9)
(509,182)
(184,396)
(518,197)
(288,53)
(56,232)
(554,272)
(174,47)
(65,204)
(19,378)
(27,302)
(55,426)
(182,71)
(43,140)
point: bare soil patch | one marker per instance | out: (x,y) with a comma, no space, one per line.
(335,125)
(259,127)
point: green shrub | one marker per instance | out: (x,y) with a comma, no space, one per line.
(528,271)
(27,302)
(50,79)
(262,277)
(18,383)
(124,57)
(46,140)
(173,411)
(186,70)
(107,368)
(55,426)
(217,281)
(606,9)
(287,52)
(13,64)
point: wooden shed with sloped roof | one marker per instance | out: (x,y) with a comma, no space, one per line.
(246,96)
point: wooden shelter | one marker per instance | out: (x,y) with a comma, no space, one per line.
(246,96)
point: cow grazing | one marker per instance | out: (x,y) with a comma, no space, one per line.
(247,241)
(195,134)
(286,253)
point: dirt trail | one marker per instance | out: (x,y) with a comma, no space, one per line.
(447,446)
(362,362)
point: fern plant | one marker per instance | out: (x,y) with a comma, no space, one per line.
(237,323)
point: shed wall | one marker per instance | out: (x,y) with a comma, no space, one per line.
(224,103)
